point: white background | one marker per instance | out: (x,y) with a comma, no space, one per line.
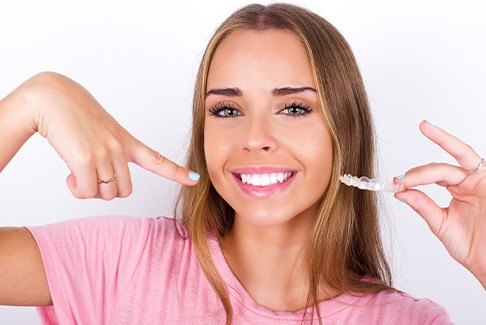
(419,59)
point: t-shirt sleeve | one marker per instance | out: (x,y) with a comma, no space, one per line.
(89,263)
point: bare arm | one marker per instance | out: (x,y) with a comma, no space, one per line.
(16,124)
(92,144)
(22,276)
(23,279)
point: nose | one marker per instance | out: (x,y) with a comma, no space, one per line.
(259,135)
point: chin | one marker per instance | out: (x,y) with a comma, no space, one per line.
(263,218)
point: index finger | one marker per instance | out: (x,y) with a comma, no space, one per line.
(153,161)
(462,153)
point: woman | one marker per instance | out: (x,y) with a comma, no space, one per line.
(267,234)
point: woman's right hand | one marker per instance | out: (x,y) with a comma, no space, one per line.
(94,146)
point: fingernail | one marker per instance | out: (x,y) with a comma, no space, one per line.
(400,176)
(401,200)
(194,176)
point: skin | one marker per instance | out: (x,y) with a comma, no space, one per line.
(461,226)
(268,231)
(94,145)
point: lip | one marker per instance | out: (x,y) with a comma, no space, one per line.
(261,170)
(263,192)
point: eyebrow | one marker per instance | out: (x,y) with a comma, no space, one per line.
(231,92)
(291,90)
(225,92)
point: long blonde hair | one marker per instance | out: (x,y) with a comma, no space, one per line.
(345,245)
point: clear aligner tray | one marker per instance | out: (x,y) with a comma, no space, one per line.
(364,183)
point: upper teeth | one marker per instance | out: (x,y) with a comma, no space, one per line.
(264,179)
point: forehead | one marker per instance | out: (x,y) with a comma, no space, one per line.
(276,57)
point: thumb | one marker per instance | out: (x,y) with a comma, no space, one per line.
(425,207)
(153,161)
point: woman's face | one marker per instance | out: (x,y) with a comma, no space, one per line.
(267,147)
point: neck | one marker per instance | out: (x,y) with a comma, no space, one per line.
(270,262)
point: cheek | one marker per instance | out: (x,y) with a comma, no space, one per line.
(323,155)
(209,152)
(215,152)
(321,172)
(317,157)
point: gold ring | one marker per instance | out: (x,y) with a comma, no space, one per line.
(106,181)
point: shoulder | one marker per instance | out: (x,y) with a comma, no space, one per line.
(399,298)
(125,235)
(113,226)
(399,306)
(106,261)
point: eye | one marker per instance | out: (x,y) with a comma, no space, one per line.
(224,110)
(296,109)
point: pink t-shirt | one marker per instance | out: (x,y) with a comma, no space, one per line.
(126,270)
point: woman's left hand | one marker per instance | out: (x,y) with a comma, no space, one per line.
(461,226)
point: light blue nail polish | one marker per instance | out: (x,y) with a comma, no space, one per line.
(400,176)
(193,176)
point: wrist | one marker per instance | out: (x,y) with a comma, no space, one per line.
(482,280)
(17,113)
(37,94)
(478,273)
(16,123)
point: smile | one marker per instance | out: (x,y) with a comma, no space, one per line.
(263,182)
(265,179)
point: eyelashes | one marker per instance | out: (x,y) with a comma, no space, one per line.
(225,110)
(228,110)
(296,109)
